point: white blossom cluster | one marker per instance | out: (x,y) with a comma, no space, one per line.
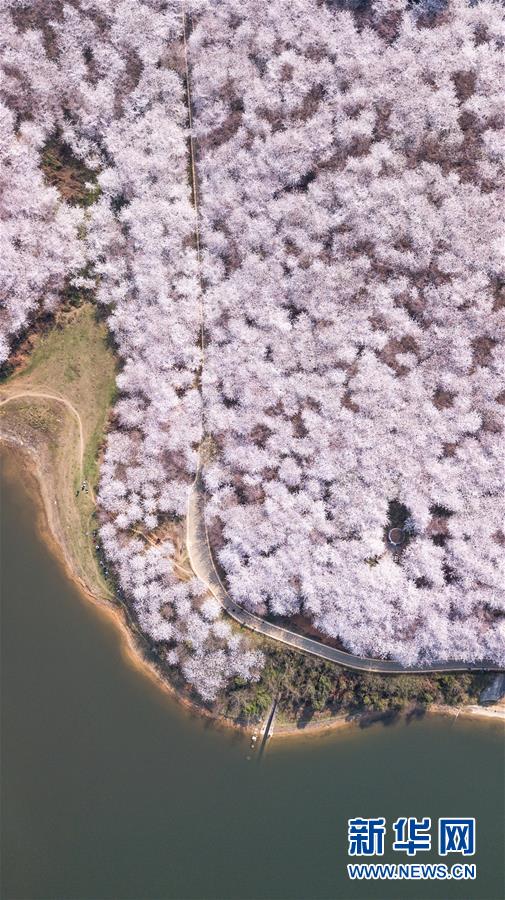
(349,174)
(39,243)
(112,87)
(350,180)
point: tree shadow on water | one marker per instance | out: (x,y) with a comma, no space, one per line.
(413,715)
(387,718)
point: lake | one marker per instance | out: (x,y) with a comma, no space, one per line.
(111,790)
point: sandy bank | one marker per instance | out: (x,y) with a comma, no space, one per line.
(363,720)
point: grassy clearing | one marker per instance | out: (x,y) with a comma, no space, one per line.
(74,361)
(43,420)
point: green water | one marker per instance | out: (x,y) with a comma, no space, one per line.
(109,790)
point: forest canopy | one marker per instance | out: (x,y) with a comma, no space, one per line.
(349,166)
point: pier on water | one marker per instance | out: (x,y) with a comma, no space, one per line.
(267,729)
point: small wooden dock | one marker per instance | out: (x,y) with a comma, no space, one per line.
(268,727)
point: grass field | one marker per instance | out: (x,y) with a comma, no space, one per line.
(72,360)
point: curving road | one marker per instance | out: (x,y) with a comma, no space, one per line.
(199,551)
(202,563)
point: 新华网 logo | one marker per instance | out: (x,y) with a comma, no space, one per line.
(366,837)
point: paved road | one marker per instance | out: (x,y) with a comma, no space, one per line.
(200,554)
(202,563)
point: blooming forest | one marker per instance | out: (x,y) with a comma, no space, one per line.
(296,239)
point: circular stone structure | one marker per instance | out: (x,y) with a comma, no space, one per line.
(396,536)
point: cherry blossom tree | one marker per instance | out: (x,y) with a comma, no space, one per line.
(350,178)
(350,160)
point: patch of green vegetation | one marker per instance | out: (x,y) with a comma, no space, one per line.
(372,561)
(74,297)
(398,514)
(74,180)
(307,686)
(39,417)
(72,371)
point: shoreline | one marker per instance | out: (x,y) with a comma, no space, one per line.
(492,713)
(111,610)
